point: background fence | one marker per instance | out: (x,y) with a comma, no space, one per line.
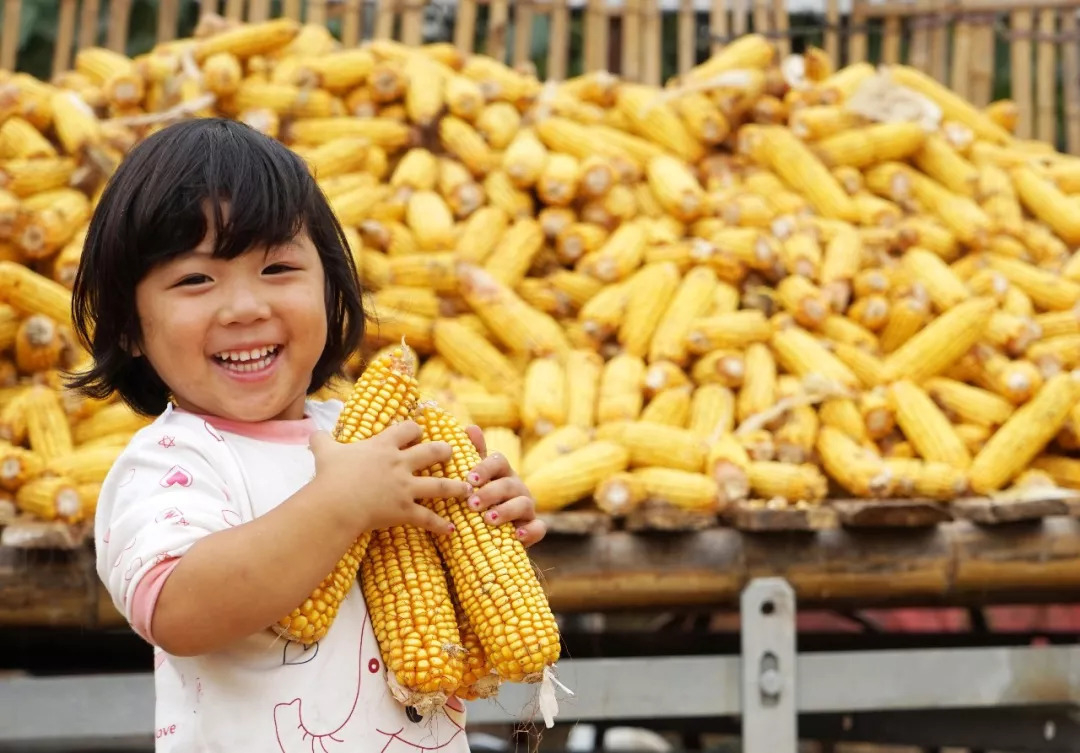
(983,49)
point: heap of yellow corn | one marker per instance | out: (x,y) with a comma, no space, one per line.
(738,287)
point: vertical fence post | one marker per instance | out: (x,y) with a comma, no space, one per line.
(1022,26)
(558,40)
(65,36)
(1070,70)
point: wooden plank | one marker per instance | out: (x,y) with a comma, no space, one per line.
(412,22)
(719,25)
(919,34)
(523,33)
(498,23)
(654,515)
(1046,79)
(740,17)
(385,11)
(42,588)
(26,532)
(857,38)
(1022,24)
(577,522)
(234,9)
(781,25)
(986,511)
(891,513)
(758,518)
(1070,70)
(631,40)
(8,512)
(9,35)
(88,23)
(1014,558)
(890,43)
(352,23)
(832,30)
(258,10)
(686,37)
(65,36)
(982,64)
(596,36)
(960,72)
(291,9)
(119,25)
(558,41)
(939,41)
(168,19)
(465,25)
(651,41)
(847,566)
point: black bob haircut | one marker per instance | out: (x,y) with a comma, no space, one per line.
(153,210)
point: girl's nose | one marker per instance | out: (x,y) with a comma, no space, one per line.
(243,305)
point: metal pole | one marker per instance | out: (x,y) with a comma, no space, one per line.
(769,713)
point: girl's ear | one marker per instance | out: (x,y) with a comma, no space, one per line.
(133,349)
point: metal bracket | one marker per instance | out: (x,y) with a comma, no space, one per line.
(769,711)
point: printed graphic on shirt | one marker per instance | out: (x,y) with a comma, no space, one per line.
(436,733)
(297,653)
(176,476)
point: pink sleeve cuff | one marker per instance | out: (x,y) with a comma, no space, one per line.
(146,596)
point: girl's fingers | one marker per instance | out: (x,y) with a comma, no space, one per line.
(517,510)
(426,454)
(496,492)
(429,521)
(477,437)
(403,434)
(429,487)
(531,532)
(494,466)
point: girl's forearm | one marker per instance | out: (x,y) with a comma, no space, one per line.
(239,581)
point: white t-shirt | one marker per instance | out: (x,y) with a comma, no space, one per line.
(186,476)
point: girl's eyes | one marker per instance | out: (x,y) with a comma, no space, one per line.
(276,269)
(192,280)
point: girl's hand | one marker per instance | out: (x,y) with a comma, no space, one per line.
(373,485)
(501,494)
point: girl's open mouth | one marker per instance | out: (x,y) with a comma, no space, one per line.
(248,361)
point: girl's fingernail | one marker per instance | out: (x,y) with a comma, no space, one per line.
(474,502)
(451,528)
(521,533)
(493,516)
(474,479)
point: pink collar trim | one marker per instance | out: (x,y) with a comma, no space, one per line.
(282,431)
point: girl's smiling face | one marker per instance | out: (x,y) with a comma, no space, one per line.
(236,338)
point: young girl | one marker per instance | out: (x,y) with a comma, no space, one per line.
(217,293)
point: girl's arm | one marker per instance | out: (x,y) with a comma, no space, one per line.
(238,581)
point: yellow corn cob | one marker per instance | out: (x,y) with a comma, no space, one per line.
(941,343)
(472,355)
(52,498)
(425,90)
(514,254)
(736,329)
(726,367)
(381,132)
(796,436)
(1025,434)
(1043,199)
(503,440)
(655,444)
(942,284)
(431,221)
(401,575)
(479,679)
(488,408)
(906,317)
(758,392)
(525,158)
(858,470)
(727,463)
(687,490)
(844,414)
(658,122)
(651,289)
(1046,290)
(385,393)
(38,345)
(563,440)
(18,466)
(801,354)
(223,73)
(619,256)
(544,400)
(793,483)
(85,466)
(430,270)
(1012,334)
(558,182)
(498,123)
(670,407)
(517,325)
(938,159)
(583,374)
(820,121)
(77,126)
(952,105)
(21,140)
(464,142)
(691,300)
(247,40)
(620,396)
(481,234)
(677,190)
(464,97)
(1064,470)
(926,427)
(601,314)
(46,424)
(918,478)
(574,475)
(871,145)
(803,171)
(712,411)
(620,493)
(968,403)
(48,220)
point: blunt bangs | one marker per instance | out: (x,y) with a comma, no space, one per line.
(258,194)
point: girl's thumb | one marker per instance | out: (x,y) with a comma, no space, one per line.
(320,440)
